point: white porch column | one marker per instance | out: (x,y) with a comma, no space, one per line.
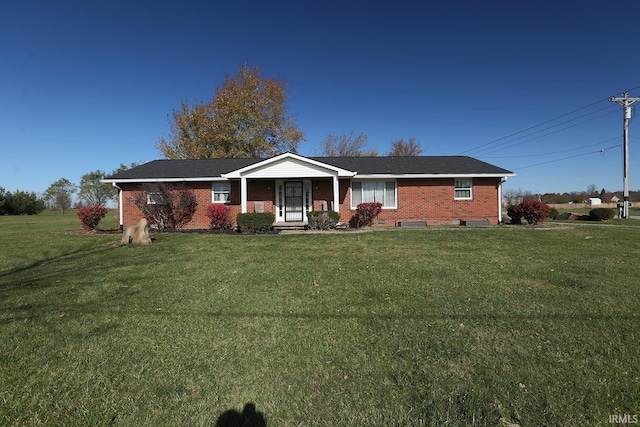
(336,195)
(243,194)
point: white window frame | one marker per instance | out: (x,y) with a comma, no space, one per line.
(457,188)
(152,198)
(215,192)
(384,204)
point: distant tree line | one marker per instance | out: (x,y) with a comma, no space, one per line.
(60,195)
(513,197)
(20,203)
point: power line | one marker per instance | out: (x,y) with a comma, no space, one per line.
(570,157)
(540,124)
(546,134)
(552,153)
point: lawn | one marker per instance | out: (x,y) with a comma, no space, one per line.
(399,327)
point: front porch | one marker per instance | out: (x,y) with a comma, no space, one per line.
(290,186)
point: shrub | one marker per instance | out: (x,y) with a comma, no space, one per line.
(365,214)
(219,216)
(514,214)
(532,211)
(255,222)
(91,216)
(323,220)
(167,206)
(553,214)
(601,214)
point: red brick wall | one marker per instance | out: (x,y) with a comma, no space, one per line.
(430,200)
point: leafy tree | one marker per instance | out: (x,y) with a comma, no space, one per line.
(20,203)
(191,134)
(60,194)
(3,201)
(347,145)
(167,206)
(400,147)
(246,118)
(94,192)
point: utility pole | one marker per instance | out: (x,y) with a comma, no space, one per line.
(626,102)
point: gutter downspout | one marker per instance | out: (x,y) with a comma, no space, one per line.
(120,210)
(502,181)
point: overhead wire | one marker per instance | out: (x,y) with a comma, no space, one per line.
(554,152)
(494,149)
(504,138)
(509,141)
(570,157)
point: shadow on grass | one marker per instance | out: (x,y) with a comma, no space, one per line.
(69,256)
(249,417)
(44,270)
(412,317)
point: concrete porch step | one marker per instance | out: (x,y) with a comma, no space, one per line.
(289,226)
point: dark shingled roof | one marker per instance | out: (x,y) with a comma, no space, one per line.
(413,165)
(211,168)
(193,168)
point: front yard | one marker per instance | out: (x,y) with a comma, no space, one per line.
(433,326)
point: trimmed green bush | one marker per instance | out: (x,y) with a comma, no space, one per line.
(255,222)
(602,214)
(323,220)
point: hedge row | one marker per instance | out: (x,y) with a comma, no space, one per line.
(255,222)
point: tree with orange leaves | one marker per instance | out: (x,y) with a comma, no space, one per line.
(246,118)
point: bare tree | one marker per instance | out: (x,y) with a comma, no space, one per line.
(400,147)
(167,206)
(347,145)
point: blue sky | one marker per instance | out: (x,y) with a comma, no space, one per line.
(89,85)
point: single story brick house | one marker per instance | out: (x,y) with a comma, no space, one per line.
(436,190)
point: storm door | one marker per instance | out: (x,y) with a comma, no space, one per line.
(293,201)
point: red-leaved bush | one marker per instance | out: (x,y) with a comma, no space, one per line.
(365,214)
(219,216)
(91,216)
(532,211)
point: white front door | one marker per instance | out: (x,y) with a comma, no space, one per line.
(293,201)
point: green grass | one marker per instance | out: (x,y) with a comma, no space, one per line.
(406,327)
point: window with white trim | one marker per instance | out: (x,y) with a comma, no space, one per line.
(373,191)
(154,198)
(221,192)
(462,189)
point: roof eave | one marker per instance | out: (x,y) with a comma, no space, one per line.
(435,175)
(143,180)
